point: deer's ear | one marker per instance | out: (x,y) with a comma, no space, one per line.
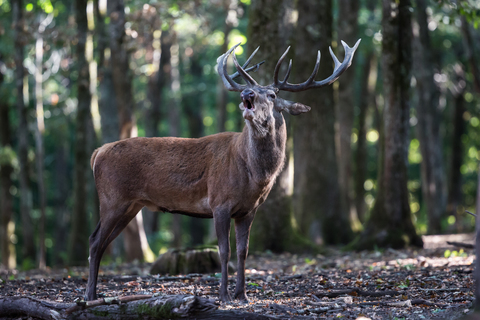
(294,108)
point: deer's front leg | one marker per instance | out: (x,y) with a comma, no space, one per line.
(242,234)
(221,219)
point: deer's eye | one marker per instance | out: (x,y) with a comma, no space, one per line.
(272,96)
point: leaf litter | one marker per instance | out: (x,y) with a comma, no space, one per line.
(393,284)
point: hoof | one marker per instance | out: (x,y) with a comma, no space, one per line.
(225,297)
(90,296)
(242,296)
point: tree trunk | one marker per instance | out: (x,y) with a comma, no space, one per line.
(428,126)
(316,192)
(367,98)
(62,214)
(270,26)
(367,89)
(6,169)
(470,54)
(230,7)
(455,193)
(25,194)
(347,31)
(390,223)
(135,240)
(39,131)
(80,223)
(107,103)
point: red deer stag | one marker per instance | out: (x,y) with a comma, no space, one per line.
(222,176)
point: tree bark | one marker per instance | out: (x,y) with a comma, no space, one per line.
(316,192)
(428,126)
(80,223)
(455,194)
(470,54)
(6,169)
(25,193)
(367,98)
(39,131)
(347,31)
(107,103)
(367,89)
(390,223)
(62,214)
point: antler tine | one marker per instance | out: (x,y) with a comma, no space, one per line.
(310,83)
(252,68)
(334,57)
(276,83)
(288,71)
(250,58)
(250,81)
(222,71)
(315,69)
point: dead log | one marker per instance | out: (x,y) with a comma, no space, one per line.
(192,260)
(163,307)
(461,244)
(31,307)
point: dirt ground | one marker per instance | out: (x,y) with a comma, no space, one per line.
(392,284)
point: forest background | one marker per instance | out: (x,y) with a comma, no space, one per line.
(388,153)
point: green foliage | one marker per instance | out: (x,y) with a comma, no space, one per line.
(8,157)
(470,9)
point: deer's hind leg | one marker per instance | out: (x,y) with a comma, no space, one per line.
(106,231)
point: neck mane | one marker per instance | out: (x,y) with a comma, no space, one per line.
(265,154)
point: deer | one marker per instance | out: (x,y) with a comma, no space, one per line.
(222,176)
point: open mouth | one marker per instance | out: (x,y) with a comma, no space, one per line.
(248,104)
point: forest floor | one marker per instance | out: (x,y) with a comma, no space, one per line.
(390,284)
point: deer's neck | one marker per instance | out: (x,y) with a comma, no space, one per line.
(265,153)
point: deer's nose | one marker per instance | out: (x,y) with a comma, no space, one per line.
(247,94)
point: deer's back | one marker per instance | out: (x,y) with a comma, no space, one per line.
(168,174)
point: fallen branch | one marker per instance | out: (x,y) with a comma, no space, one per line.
(461,244)
(405,303)
(339,301)
(358,292)
(81,305)
(445,289)
(176,278)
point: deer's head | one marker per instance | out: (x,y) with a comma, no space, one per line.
(261,105)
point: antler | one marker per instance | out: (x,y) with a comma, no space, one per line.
(227,79)
(311,83)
